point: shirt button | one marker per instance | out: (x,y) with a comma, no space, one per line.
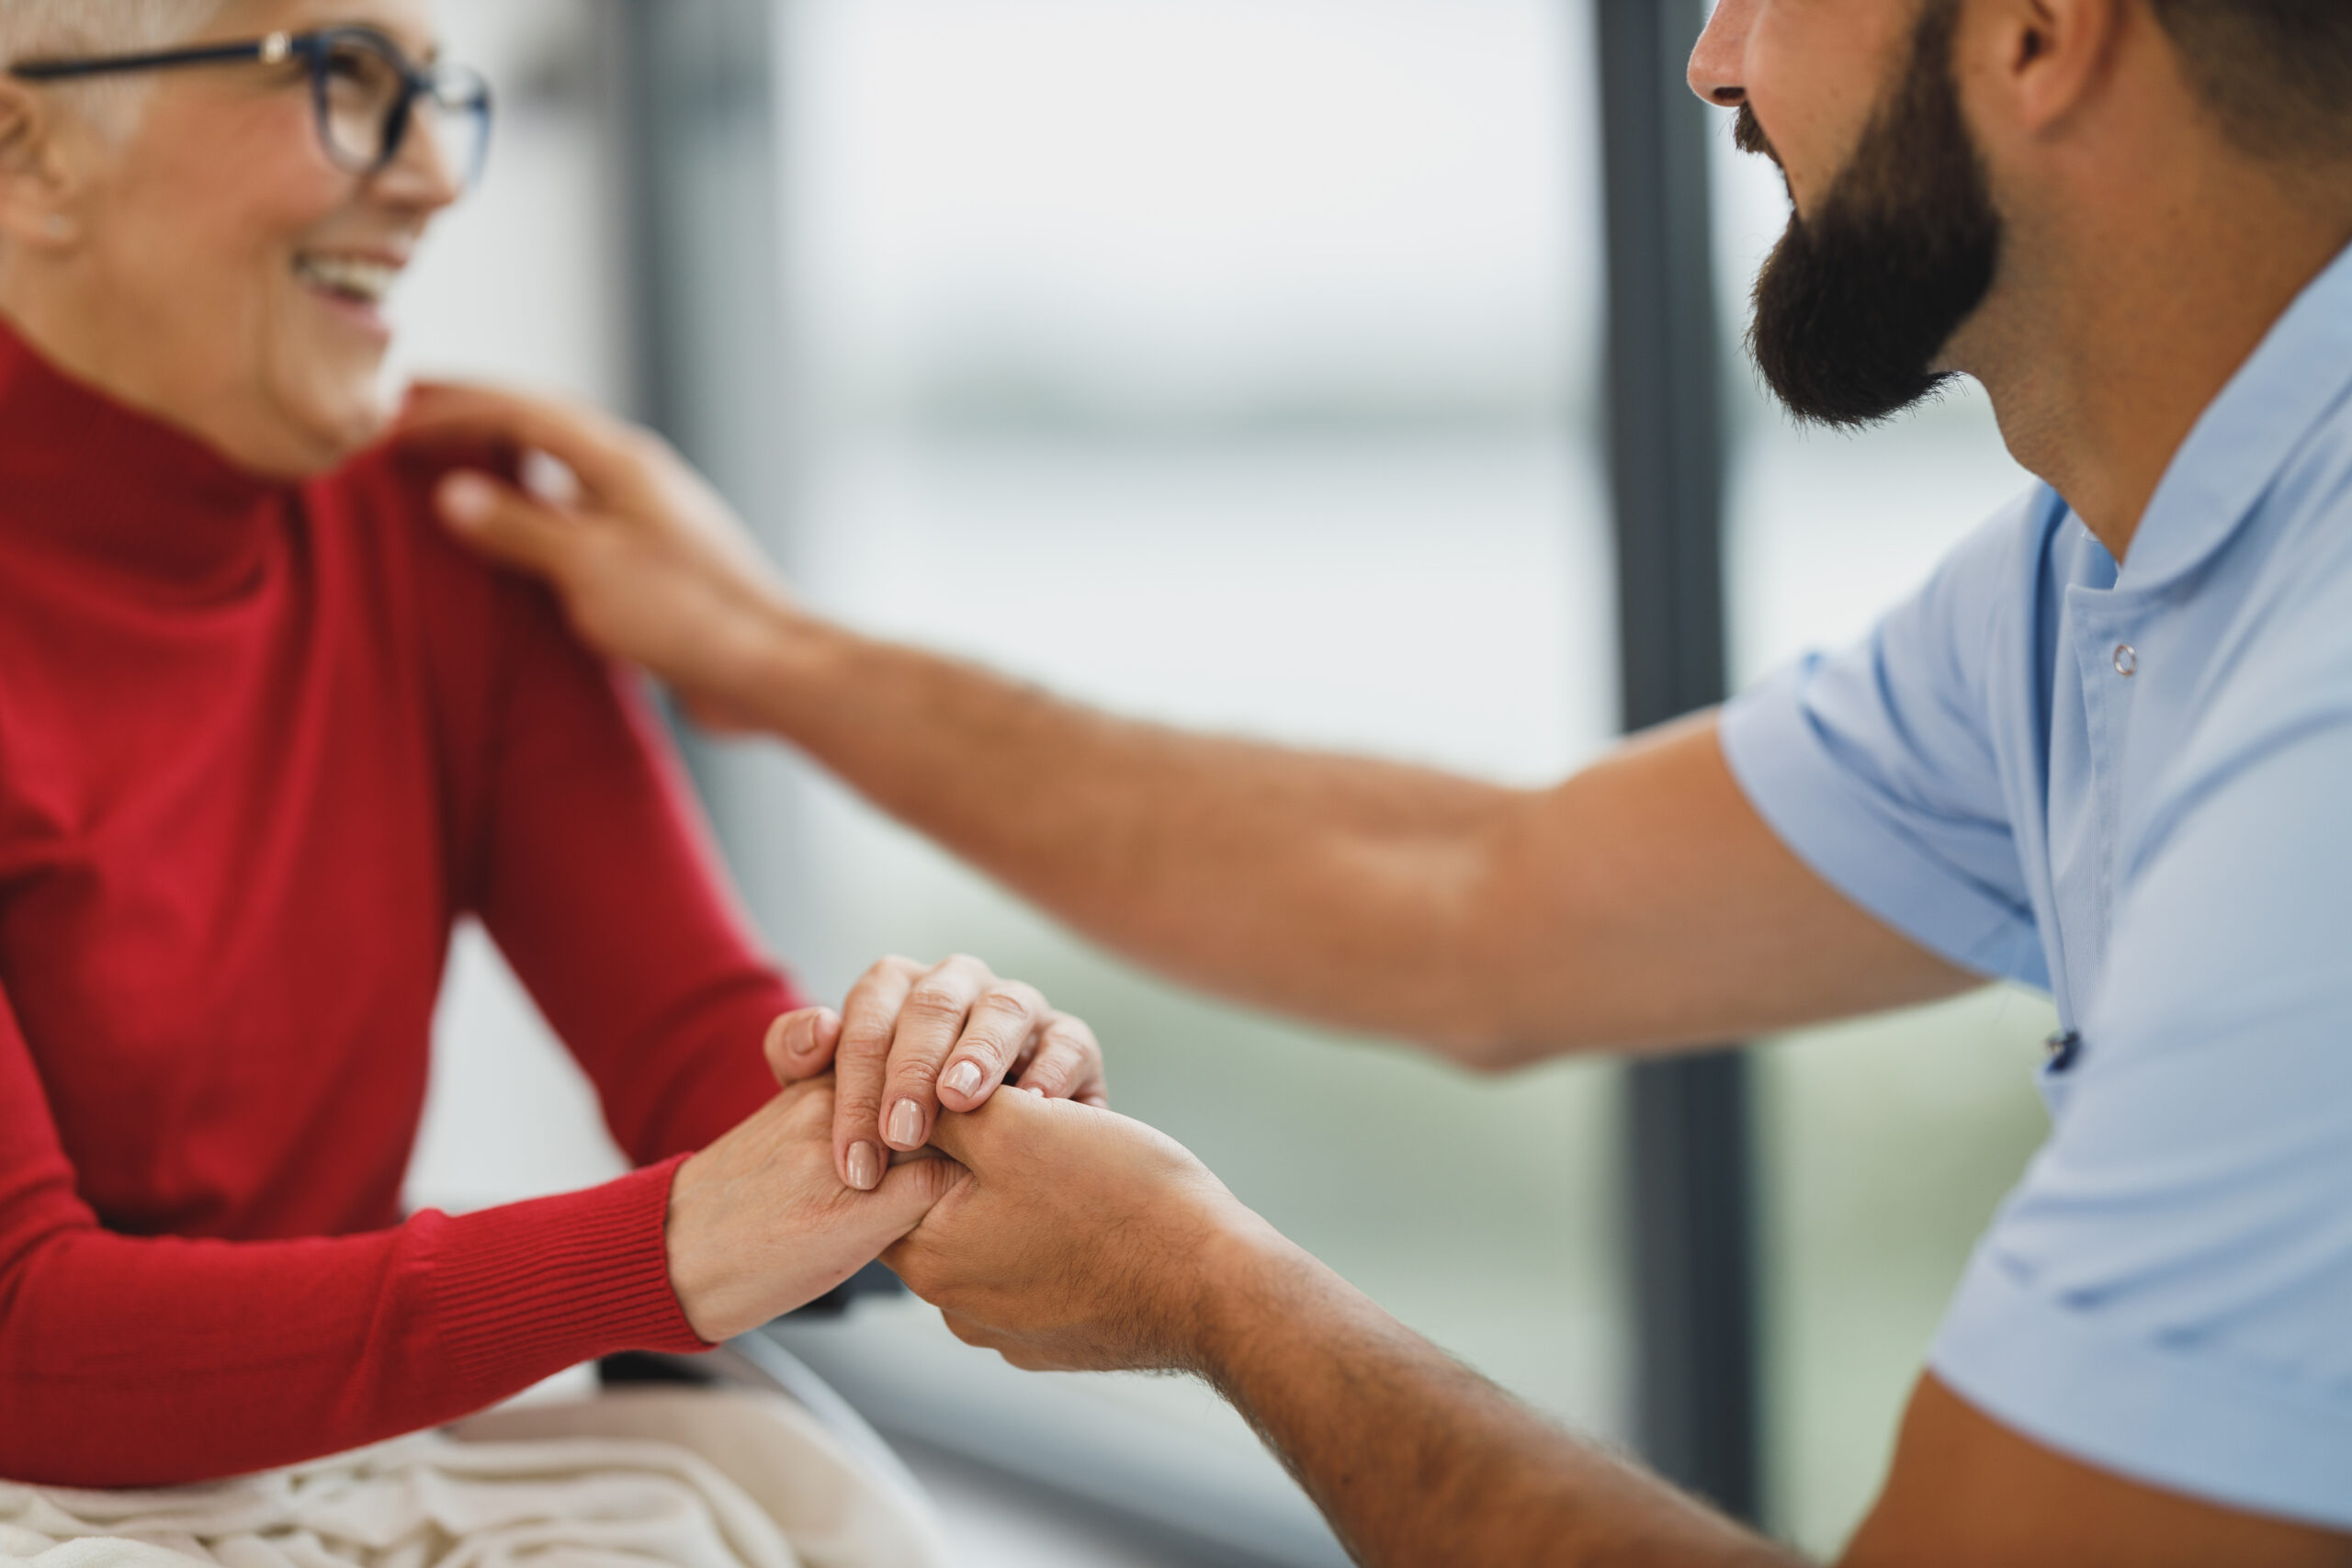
(2127,660)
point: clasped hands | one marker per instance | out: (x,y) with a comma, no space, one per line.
(1054,1231)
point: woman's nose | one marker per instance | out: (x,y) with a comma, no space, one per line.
(425,175)
(1718,66)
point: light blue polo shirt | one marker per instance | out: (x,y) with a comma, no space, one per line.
(2134,788)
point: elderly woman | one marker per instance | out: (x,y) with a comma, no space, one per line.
(264,737)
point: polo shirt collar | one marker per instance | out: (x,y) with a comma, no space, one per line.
(2248,434)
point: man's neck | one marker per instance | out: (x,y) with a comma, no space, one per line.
(2120,320)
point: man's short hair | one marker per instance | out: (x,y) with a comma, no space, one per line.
(43,30)
(2278,73)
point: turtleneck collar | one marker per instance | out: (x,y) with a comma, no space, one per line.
(85,476)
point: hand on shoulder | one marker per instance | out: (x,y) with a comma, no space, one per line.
(650,562)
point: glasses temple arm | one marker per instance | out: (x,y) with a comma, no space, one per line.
(269,50)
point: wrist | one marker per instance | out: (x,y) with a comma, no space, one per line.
(790,660)
(698,1275)
(1252,1281)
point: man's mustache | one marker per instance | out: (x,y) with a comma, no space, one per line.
(1747,134)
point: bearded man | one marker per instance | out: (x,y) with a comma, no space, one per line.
(2104,751)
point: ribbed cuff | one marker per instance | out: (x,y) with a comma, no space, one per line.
(523,1291)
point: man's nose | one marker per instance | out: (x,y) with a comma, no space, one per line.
(1718,66)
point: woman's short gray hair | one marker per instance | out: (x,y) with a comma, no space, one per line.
(39,30)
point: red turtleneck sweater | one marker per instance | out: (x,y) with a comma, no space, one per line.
(260,745)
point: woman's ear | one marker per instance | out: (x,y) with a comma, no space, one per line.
(36,185)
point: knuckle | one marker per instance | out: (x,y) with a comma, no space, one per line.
(862,1039)
(883,970)
(913,1080)
(857,1102)
(1069,1070)
(965,964)
(932,1003)
(1018,996)
(987,1046)
(998,1024)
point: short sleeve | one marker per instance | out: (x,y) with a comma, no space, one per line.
(2169,1295)
(1878,766)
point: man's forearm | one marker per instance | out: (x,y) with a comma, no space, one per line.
(1642,903)
(1417,1460)
(1335,887)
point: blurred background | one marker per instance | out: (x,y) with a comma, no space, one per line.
(1242,363)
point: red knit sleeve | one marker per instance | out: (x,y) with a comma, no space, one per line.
(599,881)
(137,1362)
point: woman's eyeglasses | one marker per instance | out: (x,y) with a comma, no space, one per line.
(365,88)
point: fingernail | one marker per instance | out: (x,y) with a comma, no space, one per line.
(906,1123)
(803,1042)
(468,498)
(964,1077)
(865,1167)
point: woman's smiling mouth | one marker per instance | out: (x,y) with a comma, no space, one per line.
(362,280)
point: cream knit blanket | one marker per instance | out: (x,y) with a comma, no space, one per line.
(655,1478)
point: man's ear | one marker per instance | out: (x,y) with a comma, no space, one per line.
(36,184)
(2033,65)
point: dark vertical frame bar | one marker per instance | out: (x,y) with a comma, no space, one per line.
(707,230)
(1689,1135)
(715,350)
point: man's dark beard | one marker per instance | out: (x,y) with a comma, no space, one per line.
(1856,305)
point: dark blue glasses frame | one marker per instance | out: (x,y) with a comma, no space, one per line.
(452,89)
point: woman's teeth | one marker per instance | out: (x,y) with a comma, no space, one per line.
(364,281)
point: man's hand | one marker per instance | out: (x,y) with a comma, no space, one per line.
(759,1223)
(911,1039)
(650,562)
(1082,1241)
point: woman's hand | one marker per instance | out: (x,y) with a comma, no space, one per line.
(759,1223)
(650,562)
(913,1038)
